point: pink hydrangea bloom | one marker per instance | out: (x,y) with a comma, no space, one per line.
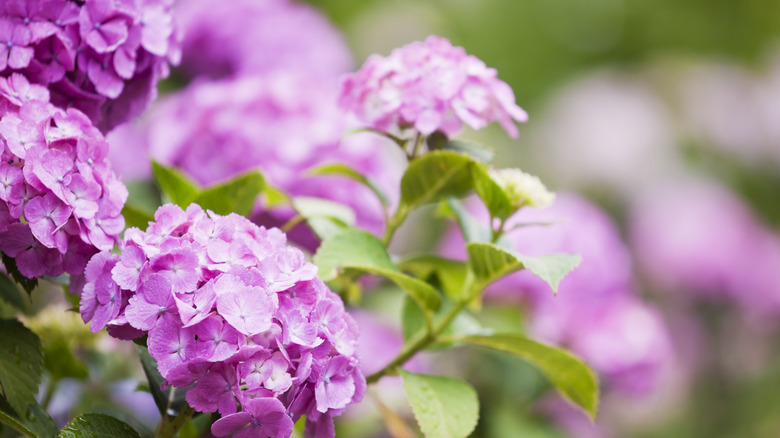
(62,199)
(103,57)
(597,313)
(249,37)
(429,86)
(259,350)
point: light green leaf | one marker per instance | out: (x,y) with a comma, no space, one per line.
(568,373)
(273,196)
(97,425)
(326,218)
(444,407)
(362,251)
(21,364)
(136,216)
(344,170)
(174,185)
(235,196)
(497,201)
(471,229)
(35,423)
(489,263)
(10,292)
(435,176)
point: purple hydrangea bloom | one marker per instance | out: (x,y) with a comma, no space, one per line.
(734,257)
(597,313)
(61,196)
(249,37)
(282,124)
(429,86)
(103,57)
(263,341)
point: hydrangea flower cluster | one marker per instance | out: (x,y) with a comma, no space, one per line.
(282,124)
(103,57)
(230,308)
(261,37)
(430,86)
(60,202)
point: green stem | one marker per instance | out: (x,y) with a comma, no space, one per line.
(422,340)
(496,233)
(170,429)
(394,223)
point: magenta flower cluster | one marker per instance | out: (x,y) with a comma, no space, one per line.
(429,86)
(60,202)
(103,57)
(230,308)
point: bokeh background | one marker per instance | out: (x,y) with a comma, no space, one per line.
(658,124)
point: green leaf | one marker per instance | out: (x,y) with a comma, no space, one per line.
(10,292)
(97,425)
(451,274)
(568,373)
(326,218)
(356,249)
(444,407)
(235,196)
(21,364)
(10,267)
(136,216)
(174,185)
(35,423)
(497,201)
(435,176)
(489,263)
(273,196)
(344,170)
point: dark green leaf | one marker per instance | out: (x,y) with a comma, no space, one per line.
(21,364)
(435,176)
(235,196)
(97,425)
(344,170)
(35,423)
(497,201)
(451,274)
(174,185)
(10,266)
(568,373)
(356,249)
(167,404)
(10,292)
(444,407)
(489,263)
